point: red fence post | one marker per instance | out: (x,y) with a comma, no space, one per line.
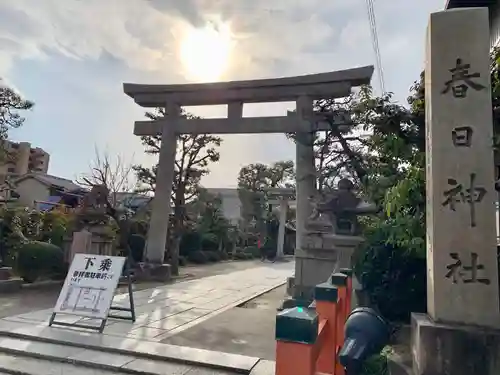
(326,297)
(348,272)
(296,334)
(340,281)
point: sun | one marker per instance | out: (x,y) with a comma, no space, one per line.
(205,52)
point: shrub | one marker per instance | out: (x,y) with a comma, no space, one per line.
(223,255)
(139,227)
(182,260)
(393,278)
(377,363)
(197,257)
(240,256)
(209,242)
(213,256)
(36,259)
(137,243)
(53,227)
(190,241)
(253,251)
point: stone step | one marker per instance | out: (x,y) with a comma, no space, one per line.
(70,339)
(26,357)
(20,365)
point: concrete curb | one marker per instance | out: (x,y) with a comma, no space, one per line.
(86,364)
(13,372)
(125,352)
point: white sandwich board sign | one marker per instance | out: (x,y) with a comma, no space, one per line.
(90,286)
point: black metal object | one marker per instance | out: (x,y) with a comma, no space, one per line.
(100,327)
(131,307)
(366,333)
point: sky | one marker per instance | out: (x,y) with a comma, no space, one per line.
(72,57)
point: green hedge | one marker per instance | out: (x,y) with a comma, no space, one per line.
(182,260)
(137,243)
(40,259)
(393,279)
(253,251)
(197,257)
(240,254)
(190,242)
(213,256)
(209,242)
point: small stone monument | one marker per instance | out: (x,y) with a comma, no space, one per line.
(460,334)
(81,243)
(331,235)
(90,236)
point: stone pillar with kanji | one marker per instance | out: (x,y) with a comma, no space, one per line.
(461,233)
(462,278)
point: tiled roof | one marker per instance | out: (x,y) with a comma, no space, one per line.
(132,199)
(51,180)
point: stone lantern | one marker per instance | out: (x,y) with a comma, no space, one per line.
(332,233)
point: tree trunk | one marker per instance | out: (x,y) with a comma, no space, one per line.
(174,256)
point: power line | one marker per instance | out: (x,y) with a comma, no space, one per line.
(376,48)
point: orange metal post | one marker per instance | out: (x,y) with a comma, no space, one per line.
(327,311)
(348,273)
(348,296)
(340,281)
(340,322)
(295,359)
(297,341)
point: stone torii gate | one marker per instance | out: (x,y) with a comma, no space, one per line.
(301,89)
(281,198)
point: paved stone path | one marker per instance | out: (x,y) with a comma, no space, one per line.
(247,330)
(29,346)
(44,296)
(165,311)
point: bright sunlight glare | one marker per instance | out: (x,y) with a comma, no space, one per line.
(205,52)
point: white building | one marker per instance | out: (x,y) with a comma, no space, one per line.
(231,205)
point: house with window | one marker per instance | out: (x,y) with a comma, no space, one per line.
(43,191)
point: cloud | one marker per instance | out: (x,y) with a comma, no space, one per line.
(138,40)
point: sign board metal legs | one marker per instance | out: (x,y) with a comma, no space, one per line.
(131,308)
(100,327)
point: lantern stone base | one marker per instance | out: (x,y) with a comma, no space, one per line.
(443,349)
(322,254)
(152,272)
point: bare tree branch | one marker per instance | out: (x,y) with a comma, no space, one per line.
(116,175)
